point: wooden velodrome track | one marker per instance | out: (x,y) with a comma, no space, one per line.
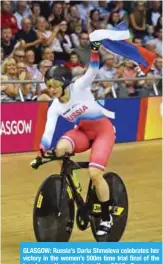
(138,163)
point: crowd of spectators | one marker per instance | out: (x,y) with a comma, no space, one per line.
(38,34)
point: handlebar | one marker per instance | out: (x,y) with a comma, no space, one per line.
(51,156)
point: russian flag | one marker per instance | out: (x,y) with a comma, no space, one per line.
(120,45)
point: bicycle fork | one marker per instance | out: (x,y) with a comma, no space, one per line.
(62,192)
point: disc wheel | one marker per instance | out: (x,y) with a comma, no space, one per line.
(118,207)
(48,225)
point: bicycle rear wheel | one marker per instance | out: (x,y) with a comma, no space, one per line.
(48,225)
(118,207)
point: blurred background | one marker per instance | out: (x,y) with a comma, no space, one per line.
(38,34)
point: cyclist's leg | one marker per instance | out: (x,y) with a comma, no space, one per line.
(100,183)
(72,141)
(100,153)
(63,146)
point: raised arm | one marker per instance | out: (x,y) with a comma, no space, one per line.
(93,68)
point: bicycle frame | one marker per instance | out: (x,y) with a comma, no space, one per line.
(66,173)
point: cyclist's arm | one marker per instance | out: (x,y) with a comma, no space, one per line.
(52,117)
(89,76)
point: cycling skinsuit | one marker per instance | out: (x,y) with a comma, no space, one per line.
(92,128)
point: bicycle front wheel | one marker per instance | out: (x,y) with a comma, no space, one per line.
(49,226)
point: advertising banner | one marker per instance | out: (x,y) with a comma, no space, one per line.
(153,127)
(150,119)
(126,117)
(40,124)
(17,126)
(18,123)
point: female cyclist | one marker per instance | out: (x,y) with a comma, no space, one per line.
(93,130)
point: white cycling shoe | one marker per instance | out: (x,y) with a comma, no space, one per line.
(105,227)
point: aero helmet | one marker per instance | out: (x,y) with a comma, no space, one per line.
(59,73)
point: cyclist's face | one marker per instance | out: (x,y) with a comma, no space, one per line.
(54,87)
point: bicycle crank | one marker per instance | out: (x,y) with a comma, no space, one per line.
(83,218)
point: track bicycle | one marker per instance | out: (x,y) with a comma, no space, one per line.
(54,205)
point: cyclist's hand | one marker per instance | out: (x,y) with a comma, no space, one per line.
(36,163)
(95,45)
